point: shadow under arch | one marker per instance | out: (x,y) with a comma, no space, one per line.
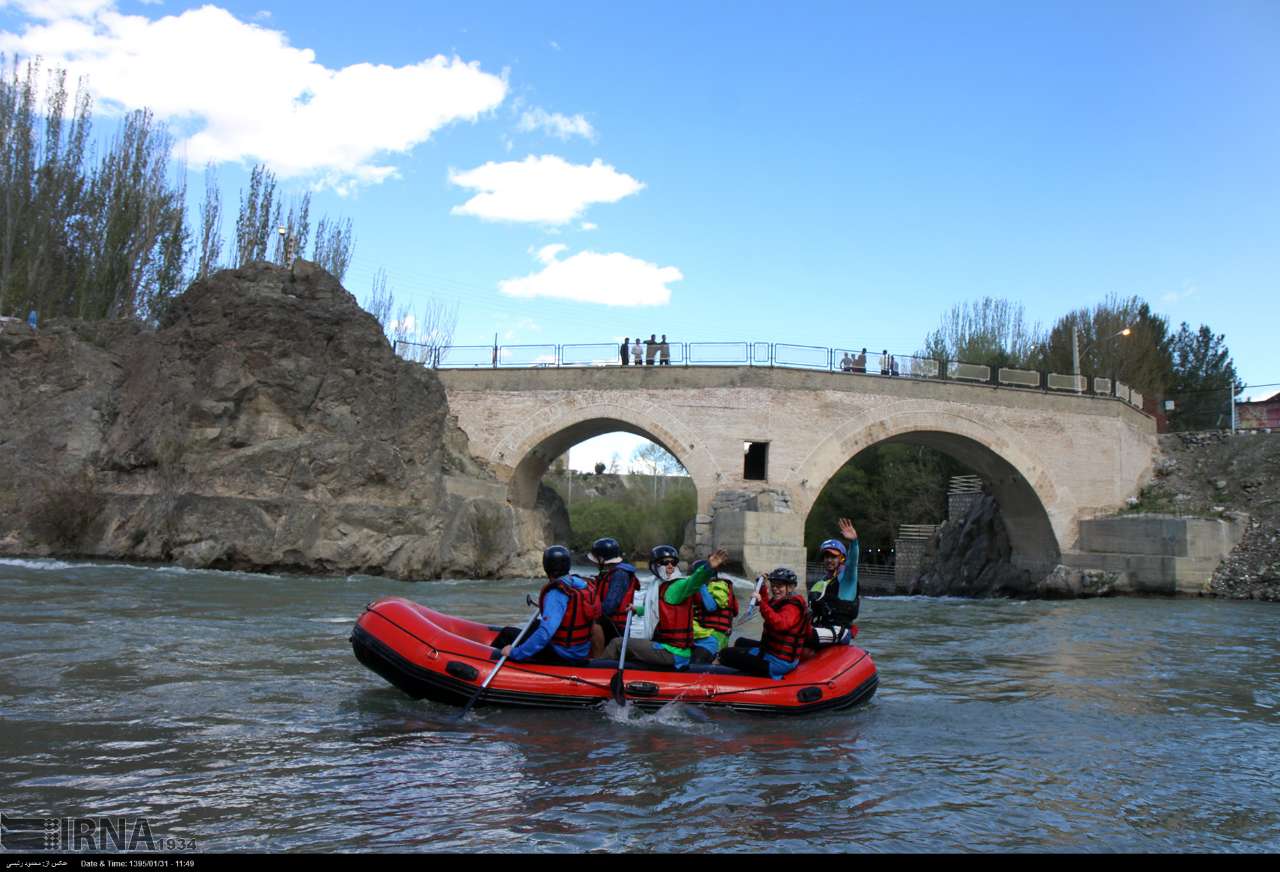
(1021,489)
(540,449)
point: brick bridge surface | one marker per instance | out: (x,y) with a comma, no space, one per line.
(1051,460)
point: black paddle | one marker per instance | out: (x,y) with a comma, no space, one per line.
(481,689)
(615,684)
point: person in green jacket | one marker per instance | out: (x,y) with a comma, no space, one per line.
(713,612)
(672,640)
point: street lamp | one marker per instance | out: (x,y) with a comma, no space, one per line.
(286,245)
(1076,353)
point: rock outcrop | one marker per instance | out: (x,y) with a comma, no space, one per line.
(266,424)
(970,556)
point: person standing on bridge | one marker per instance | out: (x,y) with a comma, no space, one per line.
(834,600)
(650,349)
(664,351)
(625,350)
(635,351)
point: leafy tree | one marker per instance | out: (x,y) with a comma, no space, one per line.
(334,245)
(1203,381)
(881,489)
(989,331)
(259,216)
(600,467)
(210,251)
(1142,359)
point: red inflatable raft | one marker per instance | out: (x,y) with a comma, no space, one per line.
(431,655)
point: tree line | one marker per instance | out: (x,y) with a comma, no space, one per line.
(1191,367)
(99,229)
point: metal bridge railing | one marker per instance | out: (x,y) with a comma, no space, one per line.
(771,354)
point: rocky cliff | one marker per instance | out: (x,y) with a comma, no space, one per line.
(266,424)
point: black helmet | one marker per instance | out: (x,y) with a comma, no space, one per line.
(556,561)
(783,576)
(604,550)
(662,552)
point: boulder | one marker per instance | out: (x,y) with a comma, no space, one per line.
(265,424)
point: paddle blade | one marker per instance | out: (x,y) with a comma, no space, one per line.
(618,689)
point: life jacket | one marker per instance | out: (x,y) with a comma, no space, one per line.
(786,645)
(675,623)
(829,609)
(581,612)
(602,583)
(720,620)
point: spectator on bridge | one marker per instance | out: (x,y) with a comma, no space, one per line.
(625,350)
(664,351)
(884,362)
(650,349)
(846,363)
(893,365)
(860,362)
(635,351)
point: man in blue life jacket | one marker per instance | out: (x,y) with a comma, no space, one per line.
(567,610)
(834,601)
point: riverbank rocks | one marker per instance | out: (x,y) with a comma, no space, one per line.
(1216,473)
(1066,582)
(264,424)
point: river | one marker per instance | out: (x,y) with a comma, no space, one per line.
(227,709)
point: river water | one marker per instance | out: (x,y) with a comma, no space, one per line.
(229,710)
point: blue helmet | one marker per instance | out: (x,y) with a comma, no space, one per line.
(556,561)
(834,545)
(604,550)
(662,552)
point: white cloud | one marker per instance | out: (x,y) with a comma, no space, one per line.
(1174,297)
(590,277)
(587,225)
(547,254)
(544,189)
(51,10)
(555,124)
(249,95)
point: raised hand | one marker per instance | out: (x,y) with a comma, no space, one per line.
(718,558)
(846,529)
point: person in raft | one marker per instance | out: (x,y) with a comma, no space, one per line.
(615,588)
(834,600)
(714,609)
(786,629)
(567,610)
(672,640)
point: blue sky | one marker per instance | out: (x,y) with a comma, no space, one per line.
(820,173)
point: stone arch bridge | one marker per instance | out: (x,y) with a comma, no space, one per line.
(760,443)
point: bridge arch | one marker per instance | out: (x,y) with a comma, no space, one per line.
(530,455)
(1024,489)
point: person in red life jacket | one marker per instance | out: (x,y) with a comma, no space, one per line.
(672,638)
(567,609)
(615,588)
(714,609)
(786,629)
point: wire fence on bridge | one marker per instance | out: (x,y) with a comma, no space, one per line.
(766,354)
